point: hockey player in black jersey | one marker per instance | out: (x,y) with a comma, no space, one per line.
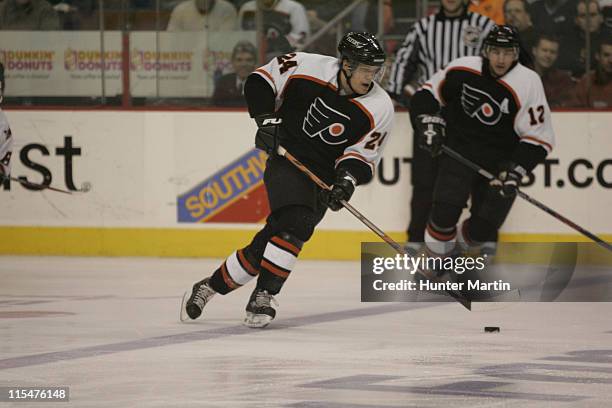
(331,115)
(493,111)
(430,45)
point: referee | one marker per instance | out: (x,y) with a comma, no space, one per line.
(431,44)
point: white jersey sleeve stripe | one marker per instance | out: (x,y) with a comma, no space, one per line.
(536,141)
(353,155)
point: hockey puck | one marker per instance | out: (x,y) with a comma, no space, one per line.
(491,329)
(85,187)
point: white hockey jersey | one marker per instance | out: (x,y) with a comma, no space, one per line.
(486,117)
(324,128)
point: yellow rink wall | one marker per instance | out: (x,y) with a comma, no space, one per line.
(150,173)
(155,242)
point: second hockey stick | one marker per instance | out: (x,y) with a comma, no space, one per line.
(457,156)
(85,187)
(283,152)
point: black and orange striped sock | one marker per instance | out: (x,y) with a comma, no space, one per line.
(278,260)
(234,272)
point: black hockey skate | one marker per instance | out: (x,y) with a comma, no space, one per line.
(259,312)
(192,306)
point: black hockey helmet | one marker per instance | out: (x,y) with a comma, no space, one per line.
(363,48)
(502,36)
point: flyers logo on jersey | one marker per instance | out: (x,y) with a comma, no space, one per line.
(482,106)
(325,122)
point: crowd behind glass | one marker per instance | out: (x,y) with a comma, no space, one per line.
(569,41)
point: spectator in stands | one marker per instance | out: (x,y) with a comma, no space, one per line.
(595,21)
(553,16)
(600,79)
(72,13)
(494,9)
(517,15)
(285,24)
(199,15)
(573,53)
(229,90)
(558,84)
(28,15)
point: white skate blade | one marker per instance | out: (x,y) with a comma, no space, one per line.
(183,316)
(256,321)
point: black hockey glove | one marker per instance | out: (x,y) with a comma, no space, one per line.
(342,189)
(268,132)
(508,180)
(431,133)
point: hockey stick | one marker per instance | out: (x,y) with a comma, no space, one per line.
(527,198)
(85,187)
(282,152)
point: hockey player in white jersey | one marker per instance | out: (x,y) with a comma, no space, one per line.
(6,138)
(493,111)
(332,116)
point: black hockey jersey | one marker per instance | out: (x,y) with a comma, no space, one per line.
(323,128)
(493,120)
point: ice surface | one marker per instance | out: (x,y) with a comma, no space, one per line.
(108,328)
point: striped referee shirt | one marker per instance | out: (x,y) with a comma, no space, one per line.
(432,43)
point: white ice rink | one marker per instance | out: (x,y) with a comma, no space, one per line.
(108,328)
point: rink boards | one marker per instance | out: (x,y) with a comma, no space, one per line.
(170,183)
